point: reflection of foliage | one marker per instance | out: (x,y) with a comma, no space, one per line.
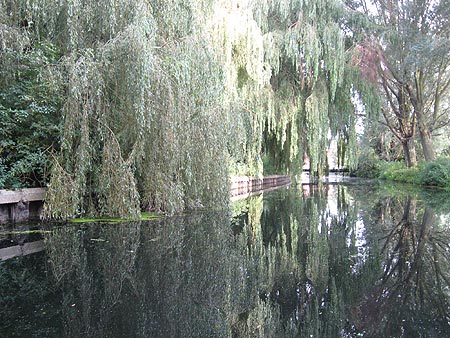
(317,249)
(292,256)
(331,262)
(91,277)
(69,261)
(28,302)
(410,296)
(64,249)
(187,274)
(314,259)
(437,200)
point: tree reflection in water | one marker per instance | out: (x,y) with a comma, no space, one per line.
(367,265)
(323,261)
(411,296)
(91,265)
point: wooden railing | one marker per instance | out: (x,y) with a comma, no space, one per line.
(26,204)
(242,186)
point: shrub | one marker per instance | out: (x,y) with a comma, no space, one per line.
(398,171)
(29,105)
(369,166)
(436,173)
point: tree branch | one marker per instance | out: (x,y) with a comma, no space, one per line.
(389,125)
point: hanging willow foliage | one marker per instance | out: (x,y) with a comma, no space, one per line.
(165,99)
(15,38)
(139,109)
(316,118)
(102,181)
(285,64)
(186,143)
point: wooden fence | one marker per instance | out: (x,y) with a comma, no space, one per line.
(26,204)
(243,186)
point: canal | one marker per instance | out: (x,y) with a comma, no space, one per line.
(332,260)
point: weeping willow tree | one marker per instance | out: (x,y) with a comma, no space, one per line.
(284,69)
(308,72)
(164,100)
(142,120)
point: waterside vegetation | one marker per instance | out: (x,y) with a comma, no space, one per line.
(120,107)
(429,174)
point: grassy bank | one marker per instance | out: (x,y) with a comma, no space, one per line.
(433,174)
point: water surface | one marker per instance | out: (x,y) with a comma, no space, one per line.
(330,261)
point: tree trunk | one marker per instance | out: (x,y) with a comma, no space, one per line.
(409,151)
(425,135)
(427,144)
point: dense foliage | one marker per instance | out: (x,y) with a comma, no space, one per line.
(30,98)
(437,173)
(152,105)
(158,103)
(432,174)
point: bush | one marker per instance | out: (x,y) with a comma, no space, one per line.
(29,106)
(436,173)
(369,166)
(398,171)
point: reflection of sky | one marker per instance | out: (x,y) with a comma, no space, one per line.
(445,220)
(332,202)
(358,232)
(332,206)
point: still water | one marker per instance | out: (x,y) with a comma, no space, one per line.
(344,260)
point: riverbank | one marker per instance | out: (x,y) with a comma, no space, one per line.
(428,174)
(26,204)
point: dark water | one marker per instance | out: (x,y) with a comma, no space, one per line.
(334,261)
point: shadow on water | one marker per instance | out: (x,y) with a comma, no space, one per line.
(318,261)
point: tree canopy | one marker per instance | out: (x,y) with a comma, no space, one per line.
(153,104)
(404,50)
